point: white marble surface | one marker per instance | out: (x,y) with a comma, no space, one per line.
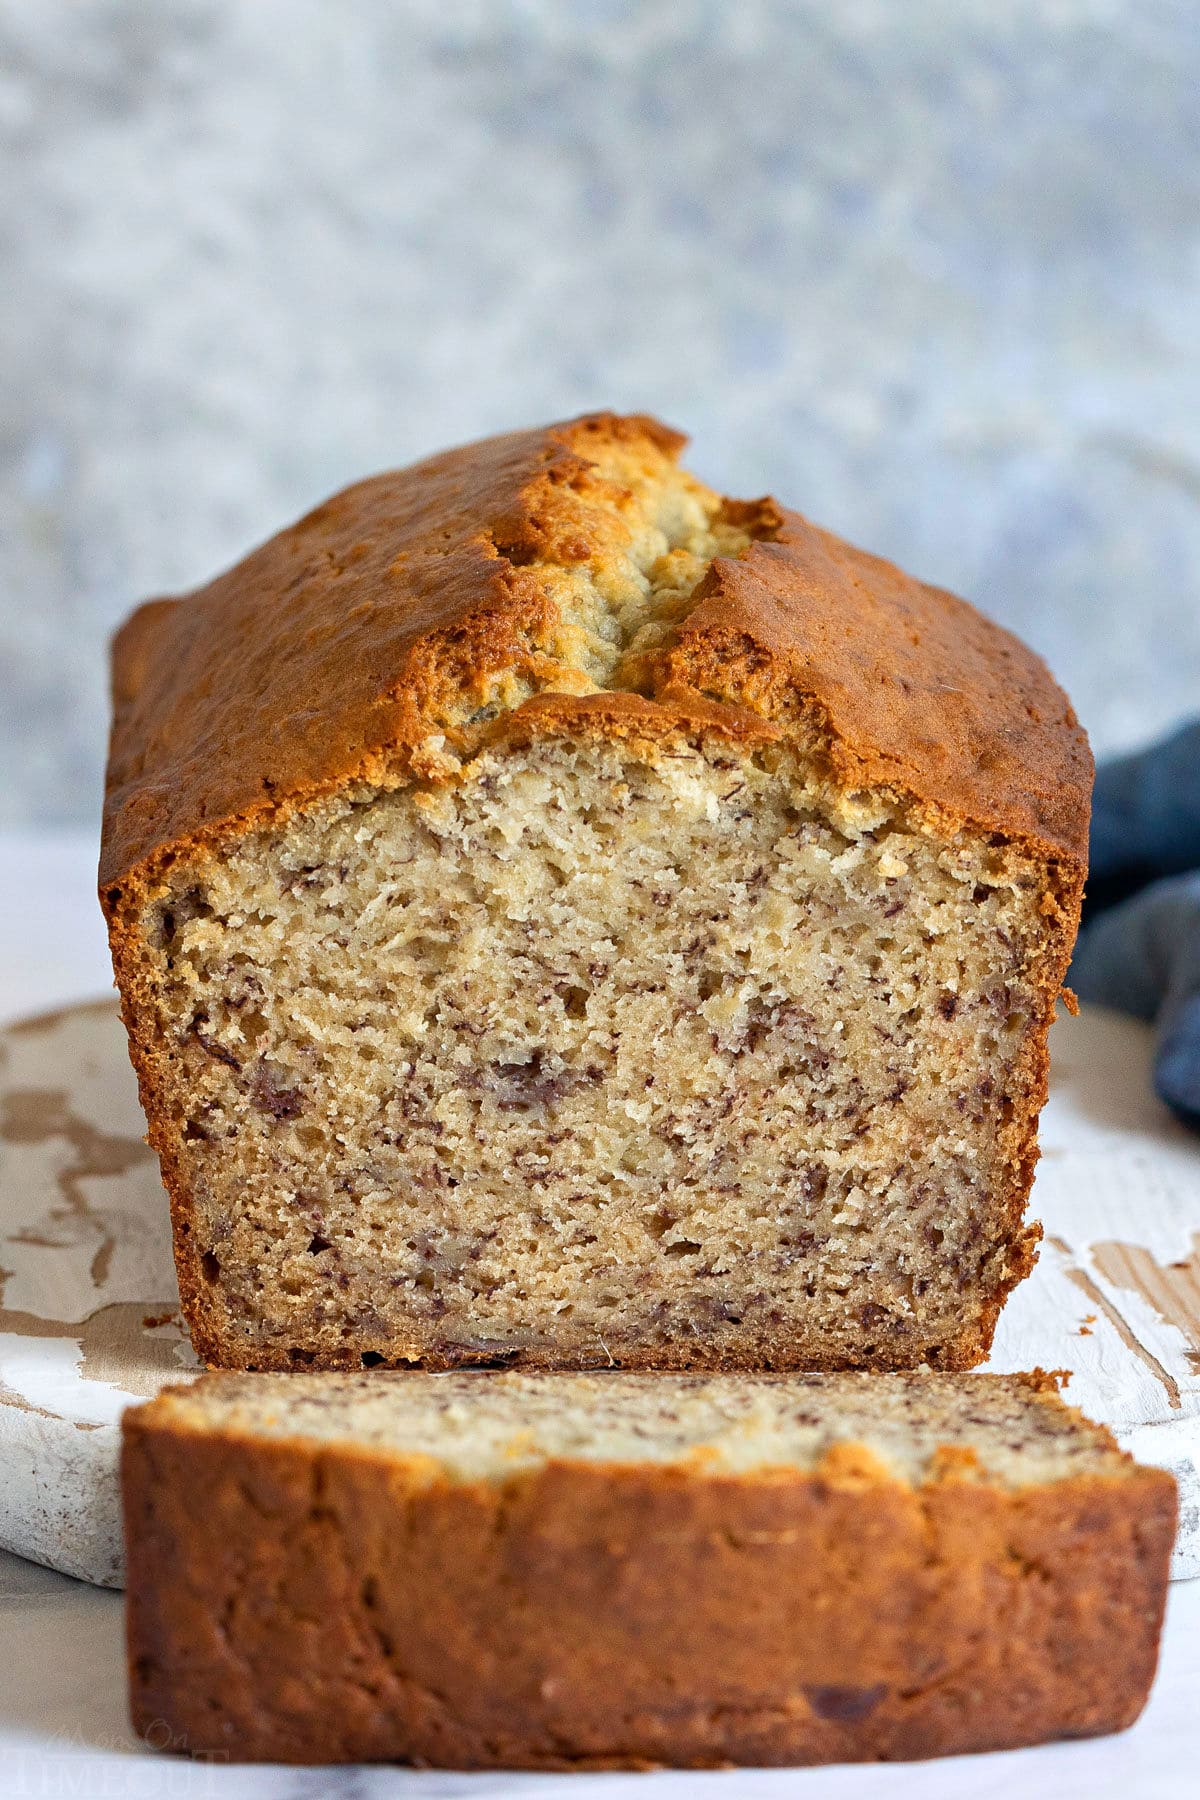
(929,271)
(63,1729)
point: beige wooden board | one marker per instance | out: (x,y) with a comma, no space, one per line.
(89,1309)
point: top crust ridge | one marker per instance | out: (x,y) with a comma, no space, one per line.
(576,576)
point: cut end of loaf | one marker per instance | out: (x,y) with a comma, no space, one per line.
(595,1058)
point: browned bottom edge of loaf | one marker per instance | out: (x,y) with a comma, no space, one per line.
(220,1345)
(303,1605)
(786,1355)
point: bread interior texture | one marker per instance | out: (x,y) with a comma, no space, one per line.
(594,1052)
(1015,1430)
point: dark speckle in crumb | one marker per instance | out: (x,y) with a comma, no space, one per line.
(273,1092)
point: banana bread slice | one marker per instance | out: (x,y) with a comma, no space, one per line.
(583,1570)
(566,917)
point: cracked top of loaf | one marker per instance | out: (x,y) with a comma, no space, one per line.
(570,578)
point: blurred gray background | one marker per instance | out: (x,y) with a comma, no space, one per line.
(929,271)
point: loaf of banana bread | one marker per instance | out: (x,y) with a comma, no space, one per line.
(586,1570)
(568,918)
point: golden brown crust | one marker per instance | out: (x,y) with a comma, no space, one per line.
(332,651)
(329,651)
(914,690)
(302,1604)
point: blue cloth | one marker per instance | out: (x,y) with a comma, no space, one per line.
(1139,950)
